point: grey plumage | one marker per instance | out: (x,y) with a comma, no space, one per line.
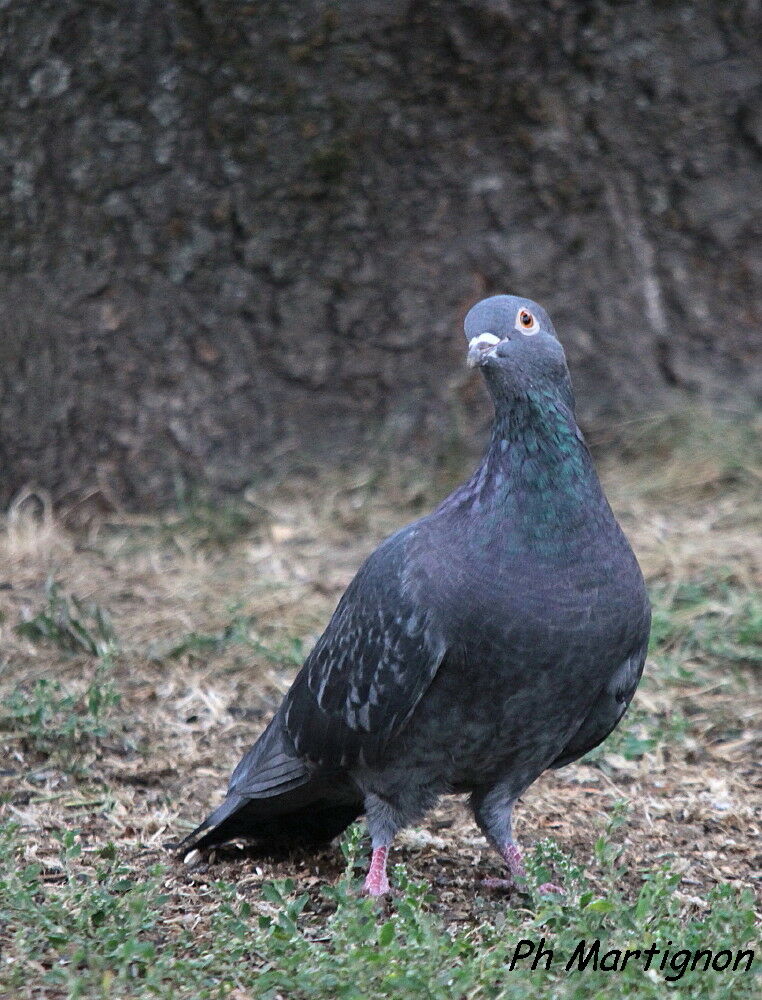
(501,635)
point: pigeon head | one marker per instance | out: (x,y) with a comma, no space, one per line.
(515,344)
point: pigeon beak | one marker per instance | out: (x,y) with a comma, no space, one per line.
(479,348)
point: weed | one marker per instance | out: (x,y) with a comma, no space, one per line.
(58,723)
(70,624)
(47,718)
(207,643)
(288,653)
(238,632)
(640,733)
(93,931)
(84,929)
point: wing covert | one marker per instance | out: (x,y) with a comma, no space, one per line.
(369,669)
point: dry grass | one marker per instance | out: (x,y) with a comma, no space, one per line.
(207,604)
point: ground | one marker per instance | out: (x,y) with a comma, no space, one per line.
(142,655)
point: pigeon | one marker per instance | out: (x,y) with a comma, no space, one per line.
(501,635)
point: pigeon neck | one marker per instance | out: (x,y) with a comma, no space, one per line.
(538,469)
(538,424)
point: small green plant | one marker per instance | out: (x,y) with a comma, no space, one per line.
(208,643)
(288,653)
(89,929)
(639,733)
(238,632)
(548,863)
(100,928)
(60,723)
(71,624)
(46,716)
(351,844)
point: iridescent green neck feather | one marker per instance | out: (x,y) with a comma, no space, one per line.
(538,477)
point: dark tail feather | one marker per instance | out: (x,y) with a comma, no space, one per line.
(208,833)
(276,801)
(317,822)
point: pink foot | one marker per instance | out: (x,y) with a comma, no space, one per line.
(376,882)
(512,857)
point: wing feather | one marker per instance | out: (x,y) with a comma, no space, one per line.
(370,668)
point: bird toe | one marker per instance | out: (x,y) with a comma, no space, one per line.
(550,887)
(502,884)
(376,887)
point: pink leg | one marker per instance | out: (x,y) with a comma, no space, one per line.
(376,882)
(512,857)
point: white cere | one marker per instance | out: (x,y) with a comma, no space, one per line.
(484,340)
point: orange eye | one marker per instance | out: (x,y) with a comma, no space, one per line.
(526,321)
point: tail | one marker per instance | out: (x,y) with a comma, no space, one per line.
(277,800)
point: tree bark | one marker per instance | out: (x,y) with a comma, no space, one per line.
(232,230)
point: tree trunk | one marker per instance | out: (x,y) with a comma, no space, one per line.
(231,230)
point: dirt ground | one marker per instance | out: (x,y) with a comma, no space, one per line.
(213,611)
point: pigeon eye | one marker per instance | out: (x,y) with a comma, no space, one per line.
(526,321)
